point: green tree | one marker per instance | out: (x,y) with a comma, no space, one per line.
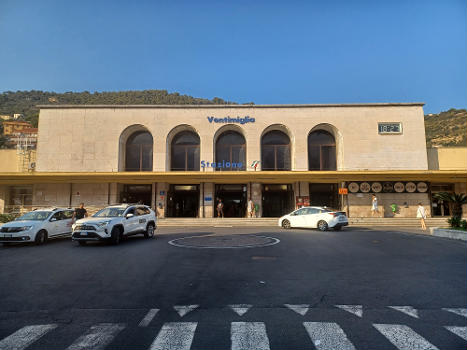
(454,200)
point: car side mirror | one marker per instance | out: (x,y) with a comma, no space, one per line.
(53,219)
(293,214)
(129,215)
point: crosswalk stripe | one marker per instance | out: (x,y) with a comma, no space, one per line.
(459,331)
(408,310)
(25,336)
(175,336)
(460,312)
(353,309)
(249,335)
(404,337)
(240,309)
(98,337)
(148,318)
(301,309)
(328,335)
(184,309)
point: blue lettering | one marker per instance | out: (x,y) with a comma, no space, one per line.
(203,164)
(227,165)
(210,119)
(239,165)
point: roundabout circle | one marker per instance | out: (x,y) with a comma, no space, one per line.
(224,242)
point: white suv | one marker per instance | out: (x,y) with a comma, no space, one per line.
(321,218)
(37,226)
(115,222)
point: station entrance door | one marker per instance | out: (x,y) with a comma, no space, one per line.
(278,200)
(234,198)
(136,194)
(183,201)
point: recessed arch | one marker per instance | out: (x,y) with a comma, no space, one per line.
(230,147)
(275,149)
(324,148)
(136,149)
(183,144)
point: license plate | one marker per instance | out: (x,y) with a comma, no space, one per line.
(7,236)
(341,218)
(83,233)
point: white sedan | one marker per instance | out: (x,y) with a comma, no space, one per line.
(37,226)
(314,217)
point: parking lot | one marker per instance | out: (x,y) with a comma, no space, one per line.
(237,288)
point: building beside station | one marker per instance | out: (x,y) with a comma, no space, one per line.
(181,159)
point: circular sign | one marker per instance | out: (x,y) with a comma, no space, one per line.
(422,187)
(365,187)
(399,187)
(387,187)
(410,187)
(376,187)
(353,187)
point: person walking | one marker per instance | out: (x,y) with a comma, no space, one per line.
(220,209)
(421,214)
(374,205)
(79,213)
(251,208)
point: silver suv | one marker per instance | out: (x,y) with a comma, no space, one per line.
(115,222)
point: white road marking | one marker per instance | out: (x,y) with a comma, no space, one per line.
(461,312)
(175,336)
(404,337)
(248,336)
(98,337)
(25,336)
(301,309)
(184,309)
(408,310)
(328,335)
(240,309)
(353,309)
(148,318)
(459,331)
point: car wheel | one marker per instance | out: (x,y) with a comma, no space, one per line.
(149,233)
(337,228)
(41,237)
(115,235)
(322,225)
(82,242)
(286,224)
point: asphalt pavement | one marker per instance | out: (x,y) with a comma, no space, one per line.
(237,288)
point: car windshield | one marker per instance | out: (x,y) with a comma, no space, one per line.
(35,216)
(109,212)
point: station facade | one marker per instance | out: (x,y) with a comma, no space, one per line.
(183,159)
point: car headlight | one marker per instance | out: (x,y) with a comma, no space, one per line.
(25,228)
(103,223)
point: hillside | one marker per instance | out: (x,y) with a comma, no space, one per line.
(25,102)
(446,128)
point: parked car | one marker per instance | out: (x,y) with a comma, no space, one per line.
(321,218)
(38,226)
(115,222)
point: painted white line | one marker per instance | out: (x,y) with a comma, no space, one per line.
(404,337)
(240,309)
(408,310)
(148,318)
(328,335)
(461,312)
(459,331)
(184,309)
(353,309)
(175,336)
(25,336)
(248,336)
(301,309)
(98,337)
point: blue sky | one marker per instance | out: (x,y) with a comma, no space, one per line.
(266,52)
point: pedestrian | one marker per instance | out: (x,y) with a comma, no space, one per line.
(220,209)
(374,205)
(79,213)
(421,214)
(251,208)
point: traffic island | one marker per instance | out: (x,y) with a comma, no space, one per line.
(449,233)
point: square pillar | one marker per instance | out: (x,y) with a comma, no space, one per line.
(257,196)
(208,205)
(161,198)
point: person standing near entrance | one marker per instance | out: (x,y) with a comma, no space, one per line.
(79,213)
(220,209)
(421,214)
(374,205)
(251,208)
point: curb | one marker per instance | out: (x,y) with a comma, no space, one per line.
(447,233)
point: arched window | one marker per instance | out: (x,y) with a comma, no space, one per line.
(185,151)
(321,151)
(230,148)
(275,151)
(138,152)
